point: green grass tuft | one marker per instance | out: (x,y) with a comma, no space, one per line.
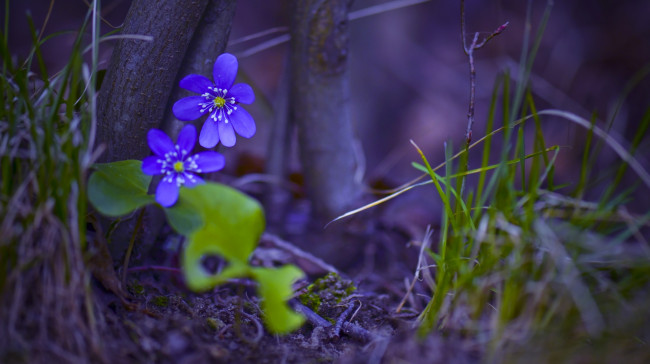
(45,120)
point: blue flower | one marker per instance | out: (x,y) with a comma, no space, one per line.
(220,99)
(176,164)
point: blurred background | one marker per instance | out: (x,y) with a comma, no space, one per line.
(410,77)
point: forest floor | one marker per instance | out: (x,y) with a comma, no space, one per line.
(351,318)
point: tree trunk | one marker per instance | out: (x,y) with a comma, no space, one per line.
(277,156)
(140,79)
(320,103)
(141,74)
(209,41)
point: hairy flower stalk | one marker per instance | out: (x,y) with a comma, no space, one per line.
(176,164)
(221,101)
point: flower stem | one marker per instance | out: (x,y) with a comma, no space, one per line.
(127,256)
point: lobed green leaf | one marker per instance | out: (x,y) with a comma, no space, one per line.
(275,289)
(235,220)
(119,188)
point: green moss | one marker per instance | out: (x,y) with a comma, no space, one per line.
(214,323)
(136,288)
(329,290)
(310,300)
(160,301)
(350,289)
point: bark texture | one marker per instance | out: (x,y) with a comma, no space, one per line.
(141,74)
(320,103)
(277,197)
(209,41)
(188,35)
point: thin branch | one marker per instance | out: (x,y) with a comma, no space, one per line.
(297,252)
(339,322)
(496,32)
(472,90)
(265,45)
(354,331)
(462,25)
(258,326)
(469,51)
(421,260)
(258,35)
(382,8)
(354,15)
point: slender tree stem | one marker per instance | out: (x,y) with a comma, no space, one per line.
(319,102)
(472,90)
(469,51)
(462,25)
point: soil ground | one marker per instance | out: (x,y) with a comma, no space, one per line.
(355,318)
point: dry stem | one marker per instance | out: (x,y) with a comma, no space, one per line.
(469,51)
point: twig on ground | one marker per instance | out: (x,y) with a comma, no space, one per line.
(223,330)
(311,316)
(358,309)
(297,252)
(339,322)
(425,243)
(357,332)
(258,325)
(469,51)
(354,331)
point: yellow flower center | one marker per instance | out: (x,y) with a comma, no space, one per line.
(219,101)
(179,167)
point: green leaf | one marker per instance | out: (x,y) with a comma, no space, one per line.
(199,279)
(183,216)
(119,188)
(234,219)
(275,289)
(218,220)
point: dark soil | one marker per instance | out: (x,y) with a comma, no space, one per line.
(353,319)
(226,325)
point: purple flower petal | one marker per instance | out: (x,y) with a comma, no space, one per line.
(243,93)
(187,138)
(209,134)
(225,70)
(226,134)
(159,142)
(210,161)
(167,192)
(150,166)
(188,108)
(196,83)
(197,181)
(243,122)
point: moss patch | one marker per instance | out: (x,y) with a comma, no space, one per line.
(328,290)
(160,301)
